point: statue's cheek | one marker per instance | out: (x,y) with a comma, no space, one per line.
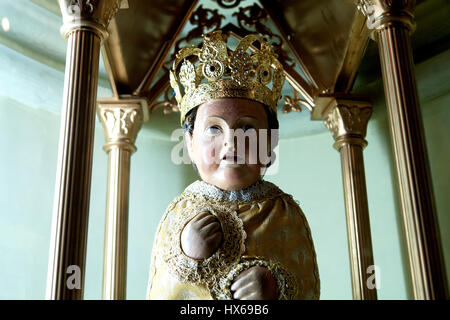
(209,156)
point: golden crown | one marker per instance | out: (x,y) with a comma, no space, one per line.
(245,72)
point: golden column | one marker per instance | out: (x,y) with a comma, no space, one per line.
(347,120)
(391,22)
(85,24)
(122,120)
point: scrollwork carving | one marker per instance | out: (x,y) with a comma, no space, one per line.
(110,11)
(121,123)
(169,103)
(348,119)
(80,7)
(205,20)
(294,103)
(380,13)
(253,17)
(228,4)
(94,14)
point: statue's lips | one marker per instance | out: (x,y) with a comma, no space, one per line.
(232,159)
(232,156)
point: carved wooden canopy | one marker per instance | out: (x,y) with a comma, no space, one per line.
(320,43)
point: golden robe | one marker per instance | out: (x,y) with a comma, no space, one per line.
(261,225)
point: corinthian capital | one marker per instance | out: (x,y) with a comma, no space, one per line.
(89,14)
(382,13)
(122,120)
(346,118)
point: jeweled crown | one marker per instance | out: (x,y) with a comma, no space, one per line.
(215,71)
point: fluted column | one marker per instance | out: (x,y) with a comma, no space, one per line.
(122,120)
(391,22)
(347,120)
(85,23)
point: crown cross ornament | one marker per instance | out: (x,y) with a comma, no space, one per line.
(214,71)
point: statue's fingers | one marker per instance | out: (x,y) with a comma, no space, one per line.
(215,239)
(241,280)
(252,296)
(206,220)
(201,215)
(211,228)
(195,222)
(246,290)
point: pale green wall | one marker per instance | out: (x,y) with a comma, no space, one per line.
(27,177)
(437,129)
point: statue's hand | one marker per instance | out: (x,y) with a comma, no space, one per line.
(256,283)
(201,236)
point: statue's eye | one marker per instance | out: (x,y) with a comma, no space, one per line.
(247,127)
(213,130)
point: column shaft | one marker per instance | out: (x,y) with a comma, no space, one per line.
(116,230)
(73,181)
(358,222)
(413,172)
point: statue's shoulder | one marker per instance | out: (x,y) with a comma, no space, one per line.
(287,197)
(270,190)
(184,199)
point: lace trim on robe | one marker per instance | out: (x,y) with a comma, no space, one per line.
(257,191)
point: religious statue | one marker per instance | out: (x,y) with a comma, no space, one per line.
(231,235)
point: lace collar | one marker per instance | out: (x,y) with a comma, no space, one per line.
(257,191)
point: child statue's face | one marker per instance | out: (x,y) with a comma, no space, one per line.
(216,148)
